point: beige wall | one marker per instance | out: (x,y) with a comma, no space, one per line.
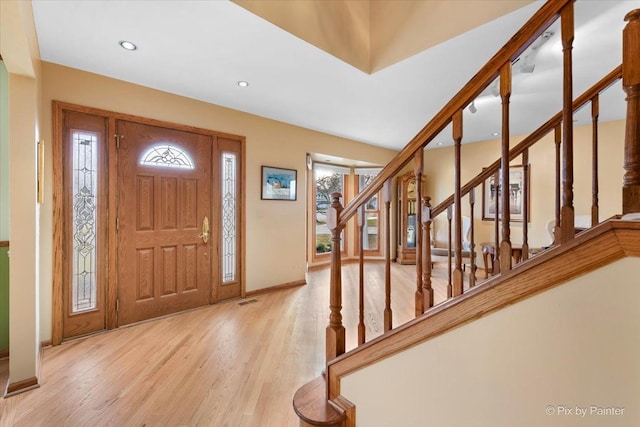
(18,45)
(575,345)
(23,260)
(275,230)
(439,171)
(4,152)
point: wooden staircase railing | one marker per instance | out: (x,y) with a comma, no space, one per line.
(562,126)
(522,149)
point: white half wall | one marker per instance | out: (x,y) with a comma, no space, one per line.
(569,356)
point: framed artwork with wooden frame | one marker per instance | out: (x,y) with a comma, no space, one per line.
(279,183)
(516,195)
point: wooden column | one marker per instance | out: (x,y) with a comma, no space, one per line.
(595,111)
(457,140)
(427,290)
(558,192)
(472,244)
(525,205)
(567,213)
(361,329)
(449,270)
(505,94)
(418,160)
(388,315)
(631,85)
(496,224)
(335,329)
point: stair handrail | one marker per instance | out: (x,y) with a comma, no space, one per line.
(528,33)
(338,363)
(338,216)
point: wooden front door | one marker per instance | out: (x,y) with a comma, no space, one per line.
(164,203)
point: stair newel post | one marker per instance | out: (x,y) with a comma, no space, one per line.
(631,85)
(449,266)
(427,290)
(567,213)
(472,243)
(525,205)
(361,219)
(457,196)
(595,112)
(558,192)
(496,224)
(505,188)
(335,330)
(388,315)
(418,162)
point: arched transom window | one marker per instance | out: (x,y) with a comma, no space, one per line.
(166,156)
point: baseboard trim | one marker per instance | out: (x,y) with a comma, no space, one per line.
(21,386)
(281,287)
(30,383)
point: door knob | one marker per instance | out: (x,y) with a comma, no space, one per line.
(205,230)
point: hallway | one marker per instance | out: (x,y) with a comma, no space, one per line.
(222,365)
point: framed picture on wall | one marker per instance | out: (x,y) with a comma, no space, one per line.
(492,192)
(279,183)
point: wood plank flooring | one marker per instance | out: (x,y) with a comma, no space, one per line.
(222,365)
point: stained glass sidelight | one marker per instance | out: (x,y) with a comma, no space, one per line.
(85,187)
(229,214)
(166,155)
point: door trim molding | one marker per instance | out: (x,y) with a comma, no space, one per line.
(59,107)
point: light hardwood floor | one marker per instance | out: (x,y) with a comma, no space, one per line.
(222,365)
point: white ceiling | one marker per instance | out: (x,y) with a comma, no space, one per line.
(200,49)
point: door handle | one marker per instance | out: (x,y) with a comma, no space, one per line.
(205,230)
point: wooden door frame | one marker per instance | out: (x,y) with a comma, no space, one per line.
(58,108)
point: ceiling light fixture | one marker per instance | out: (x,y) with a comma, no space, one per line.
(439,143)
(243,83)
(528,65)
(496,134)
(128,45)
(472,107)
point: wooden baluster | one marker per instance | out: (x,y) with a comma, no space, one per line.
(457,139)
(361,330)
(567,213)
(631,84)
(496,245)
(335,330)
(427,290)
(525,205)
(505,94)
(558,142)
(388,315)
(595,111)
(418,161)
(472,244)
(449,269)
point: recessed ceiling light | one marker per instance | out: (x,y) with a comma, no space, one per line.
(243,83)
(496,134)
(439,143)
(128,45)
